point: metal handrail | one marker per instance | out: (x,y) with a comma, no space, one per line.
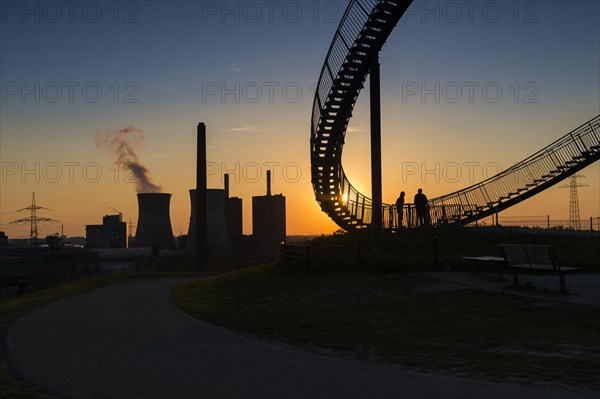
(349,208)
(351,12)
(329,181)
(552,148)
(450,208)
(573,144)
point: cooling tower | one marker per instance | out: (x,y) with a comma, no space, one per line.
(154,222)
(218,238)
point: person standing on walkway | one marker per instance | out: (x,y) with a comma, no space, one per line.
(400,209)
(421,207)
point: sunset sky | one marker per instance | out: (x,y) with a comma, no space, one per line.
(162,67)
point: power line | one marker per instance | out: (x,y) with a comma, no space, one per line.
(574,217)
(88,202)
(33,219)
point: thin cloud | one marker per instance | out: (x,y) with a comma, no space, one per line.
(245,149)
(227,143)
(242,67)
(235,68)
(246,129)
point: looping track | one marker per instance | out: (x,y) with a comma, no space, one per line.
(362,32)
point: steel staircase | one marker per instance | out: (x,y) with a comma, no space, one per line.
(362,32)
(547,167)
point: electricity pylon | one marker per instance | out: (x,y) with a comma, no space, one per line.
(574,218)
(33,219)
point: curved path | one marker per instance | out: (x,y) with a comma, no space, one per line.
(130,341)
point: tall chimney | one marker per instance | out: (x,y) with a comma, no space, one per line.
(268,183)
(201,201)
(226,179)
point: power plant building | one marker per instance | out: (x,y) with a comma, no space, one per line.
(112,233)
(224,221)
(154,222)
(3,239)
(218,236)
(233,216)
(268,217)
(233,219)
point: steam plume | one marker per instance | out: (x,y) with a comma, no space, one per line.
(123,144)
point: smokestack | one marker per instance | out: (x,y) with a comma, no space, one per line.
(154,222)
(226,178)
(201,243)
(268,183)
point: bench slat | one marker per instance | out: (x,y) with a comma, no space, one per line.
(533,257)
(536,256)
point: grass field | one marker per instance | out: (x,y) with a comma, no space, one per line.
(360,304)
(386,317)
(413,250)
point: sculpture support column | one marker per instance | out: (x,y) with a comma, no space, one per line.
(376,185)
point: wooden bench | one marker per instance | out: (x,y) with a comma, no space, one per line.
(497,260)
(534,258)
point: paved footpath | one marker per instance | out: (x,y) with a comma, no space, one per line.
(130,341)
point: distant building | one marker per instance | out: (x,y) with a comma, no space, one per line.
(115,231)
(3,239)
(112,233)
(54,241)
(94,236)
(268,217)
(233,219)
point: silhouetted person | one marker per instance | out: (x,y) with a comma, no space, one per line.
(400,209)
(421,207)
(22,287)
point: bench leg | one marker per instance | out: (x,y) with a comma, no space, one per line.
(515,278)
(563,289)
